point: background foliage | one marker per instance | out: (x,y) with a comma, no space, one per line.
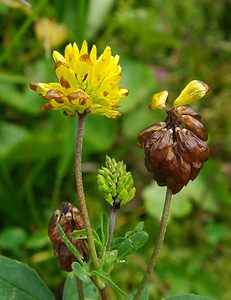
(163,45)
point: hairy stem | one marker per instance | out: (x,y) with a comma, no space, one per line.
(111,225)
(80,190)
(80,289)
(158,245)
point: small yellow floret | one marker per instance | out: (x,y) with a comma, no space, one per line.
(159,100)
(193,92)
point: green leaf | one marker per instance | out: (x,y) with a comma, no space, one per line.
(108,261)
(139,227)
(70,291)
(132,244)
(79,234)
(97,240)
(111,283)
(154,200)
(216,232)
(139,80)
(208,284)
(38,240)
(140,118)
(20,282)
(188,297)
(117,242)
(12,237)
(69,245)
(81,272)
(97,14)
(145,294)
(93,142)
(22,101)
(10,136)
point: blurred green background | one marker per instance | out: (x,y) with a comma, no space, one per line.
(162,45)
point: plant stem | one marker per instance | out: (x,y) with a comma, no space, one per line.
(80,191)
(80,289)
(111,225)
(158,245)
(101,289)
(103,293)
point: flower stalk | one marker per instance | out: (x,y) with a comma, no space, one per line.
(111,225)
(80,191)
(158,245)
(82,202)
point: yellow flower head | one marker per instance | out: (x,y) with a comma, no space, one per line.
(87,84)
(194,91)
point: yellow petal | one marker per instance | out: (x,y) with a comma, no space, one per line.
(108,111)
(93,54)
(123,92)
(116,59)
(84,49)
(194,91)
(43,88)
(104,58)
(58,57)
(159,100)
(65,75)
(100,69)
(68,53)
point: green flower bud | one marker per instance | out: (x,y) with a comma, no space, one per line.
(129,196)
(116,183)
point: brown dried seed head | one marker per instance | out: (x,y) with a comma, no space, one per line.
(195,169)
(158,145)
(195,126)
(183,110)
(175,149)
(146,132)
(69,218)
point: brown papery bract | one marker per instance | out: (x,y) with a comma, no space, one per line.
(175,150)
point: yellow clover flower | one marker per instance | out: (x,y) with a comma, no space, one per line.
(87,84)
(194,91)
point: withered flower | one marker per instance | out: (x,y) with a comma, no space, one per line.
(70,219)
(175,149)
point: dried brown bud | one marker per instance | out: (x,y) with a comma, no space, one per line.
(70,219)
(175,149)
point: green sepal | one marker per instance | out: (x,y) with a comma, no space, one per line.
(79,234)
